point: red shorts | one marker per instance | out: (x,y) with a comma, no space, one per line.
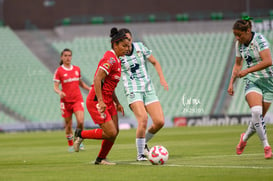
(98,117)
(68,108)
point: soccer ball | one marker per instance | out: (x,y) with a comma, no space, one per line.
(158,155)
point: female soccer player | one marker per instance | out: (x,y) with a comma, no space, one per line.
(253,48)
(140,92)
(102,102)
(69,76)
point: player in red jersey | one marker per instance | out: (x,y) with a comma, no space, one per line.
(69,76)
(102,103)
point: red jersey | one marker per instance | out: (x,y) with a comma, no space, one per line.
(70,81)
(112,66)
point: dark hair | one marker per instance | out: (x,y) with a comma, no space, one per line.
(117,36)
(125,30)
(65,50)
(242,25)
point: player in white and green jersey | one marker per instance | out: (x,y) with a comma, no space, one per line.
(253,48)
(134,70)
(140,92)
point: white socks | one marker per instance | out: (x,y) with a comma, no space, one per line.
(258,124)
(140,144)
(249,132)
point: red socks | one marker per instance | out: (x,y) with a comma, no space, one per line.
(69,140)
(106,145)
(105,148)
(92,134)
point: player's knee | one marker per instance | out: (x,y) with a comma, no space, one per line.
(160,123)
(112,134)
(256,112)
(142,121)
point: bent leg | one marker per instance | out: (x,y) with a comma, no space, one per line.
(255,103)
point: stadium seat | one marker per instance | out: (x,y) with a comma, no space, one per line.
(97,20)
(182,17)
(216,16)
(152,18)
(127,19)
(66,21)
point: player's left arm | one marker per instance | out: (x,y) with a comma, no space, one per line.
(84,85)
(266,62)
(116,101)
(158,68)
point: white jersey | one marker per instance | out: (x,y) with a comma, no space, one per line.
(134,69)
(251,55)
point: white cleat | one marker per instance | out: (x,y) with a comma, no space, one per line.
(141,158)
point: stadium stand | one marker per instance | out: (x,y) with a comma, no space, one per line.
(26,85)
(4,118)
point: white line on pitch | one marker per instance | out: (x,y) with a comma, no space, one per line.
(206,166)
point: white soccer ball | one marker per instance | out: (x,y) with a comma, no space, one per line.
(158,155)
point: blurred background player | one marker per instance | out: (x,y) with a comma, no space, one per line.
(69,76)
(140,92)
(253,48)
(102,103)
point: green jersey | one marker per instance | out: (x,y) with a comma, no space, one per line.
(134,69)
(251,55)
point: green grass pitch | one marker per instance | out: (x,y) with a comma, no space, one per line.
(195,153)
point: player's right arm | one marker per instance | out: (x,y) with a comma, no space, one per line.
(57,81)
(57,90)
(235,73)
(100,76)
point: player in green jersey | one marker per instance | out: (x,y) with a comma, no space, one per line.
(253,48)
(140,92)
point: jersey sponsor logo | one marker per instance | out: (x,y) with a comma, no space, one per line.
(71,80)
(106,65)
(248,59)
(133,69)
(112,60)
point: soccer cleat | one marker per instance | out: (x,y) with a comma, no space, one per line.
(141,158)
(71,149)
(267,152)
(81,146)
(241,146)
(146,150)
(78,140)
(104,162)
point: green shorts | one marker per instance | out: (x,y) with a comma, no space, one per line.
(146,97)
(263,86)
